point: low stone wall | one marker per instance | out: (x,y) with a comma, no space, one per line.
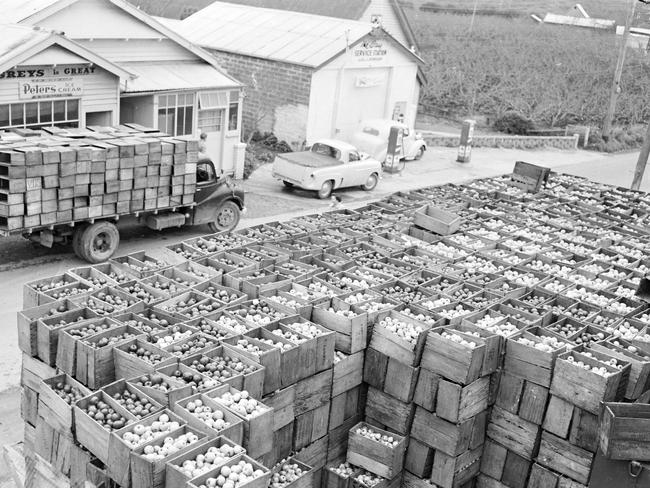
(566,143)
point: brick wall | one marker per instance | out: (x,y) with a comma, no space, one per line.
(277,95)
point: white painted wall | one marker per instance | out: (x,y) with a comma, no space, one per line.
(335,98)
(389,19)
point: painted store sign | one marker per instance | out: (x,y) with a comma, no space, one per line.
(49,82)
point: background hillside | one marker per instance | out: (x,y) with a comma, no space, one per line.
(552,75)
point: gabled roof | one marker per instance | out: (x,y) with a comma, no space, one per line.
(42,9)
(20,43)
(289,37)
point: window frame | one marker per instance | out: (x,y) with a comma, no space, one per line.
(178,110)
(67,121)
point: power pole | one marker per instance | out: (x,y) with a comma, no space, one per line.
(471,25)
(642,161)
(616,85)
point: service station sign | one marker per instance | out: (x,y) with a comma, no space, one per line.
(370,50)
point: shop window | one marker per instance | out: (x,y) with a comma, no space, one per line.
(233,111)
(211,120)
(63,113)
(176,113)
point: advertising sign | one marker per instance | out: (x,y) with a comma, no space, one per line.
(50,88)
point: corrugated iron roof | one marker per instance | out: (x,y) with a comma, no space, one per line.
(290,37)
(15,11)
(155,77)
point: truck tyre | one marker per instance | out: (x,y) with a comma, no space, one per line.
(288,184)
(97,242)
(371,182)
(325,190)
(226,217)
(76,240)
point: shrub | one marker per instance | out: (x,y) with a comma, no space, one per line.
(513,123)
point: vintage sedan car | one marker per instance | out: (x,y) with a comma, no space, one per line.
(372,138)
(328,165)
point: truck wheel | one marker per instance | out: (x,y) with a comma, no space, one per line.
(97,242)
(226,217)
(371,182)
(76,240)
(325,190)
(287,184)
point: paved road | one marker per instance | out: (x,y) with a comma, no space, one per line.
(267,200)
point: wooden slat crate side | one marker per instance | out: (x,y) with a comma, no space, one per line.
(452,439)
(426,389)
(456,403)
(565,458)
(389,411)
(451,471)
(514,433)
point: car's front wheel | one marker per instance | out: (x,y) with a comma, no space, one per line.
(325,190)
(419,154)
(371,182)
(226,217)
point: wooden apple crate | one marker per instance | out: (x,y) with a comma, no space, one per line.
(252,382)
(66,351)
(119,453)
(300,271)
(105,274)
(396,482)
(122,386)
(91,434)
(216,284)
(282,402)
(178,390)
(298,362)
(139,263)
(234,432)
(394,378)
(639,375)
(530,363)
(624,431)
(453,360)
(494,344)
(27,319)
(346,405)
(565,458)
(301,307)
(51,407)
(48,329)
(182,369)
(92,301)
(437,220)
(257,431)
(513,432)
(418,460)
(269,358)
(253,286)
(501,467)
(178,305)
(151,474)
(260,482)
(457,403)
(332,479)
(311,426)
(350,332)
(451,438)
(376,457)
(219,262)
(173,474)
(325,343)
(199,341)
(347,373)
(395,346)
(33,297)
(194,274)
(453,471)
(577,426)
(314,455)
(129,365)
(95,366)
(524,398)
(586,389)
(313,392)
(337,438)
(388,412)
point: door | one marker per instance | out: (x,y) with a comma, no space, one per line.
(364,94)
(211,119)
(356,169)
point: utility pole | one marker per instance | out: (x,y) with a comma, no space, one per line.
(616,84)
(642,161)
(471,25)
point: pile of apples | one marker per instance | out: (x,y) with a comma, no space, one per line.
(289,335)
(68,393)
(599,370)
(458,339)
(170,446)
(193,345)
(213,418)
(92,328)
(210,459)
(285,474)
(109,341)
(174,335)
(233,476)
(241,403)
(138,406)
(369,433)
(344,470)
(305,328)
(141,434)
(404,330)
(155,381)
(104,414)
(283,346)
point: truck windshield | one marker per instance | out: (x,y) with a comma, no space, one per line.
(204,172)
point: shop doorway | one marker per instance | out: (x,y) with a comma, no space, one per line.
(364,95)
(99,118)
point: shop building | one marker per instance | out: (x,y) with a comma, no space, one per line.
(307,76)
(121,66)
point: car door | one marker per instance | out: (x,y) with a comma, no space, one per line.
(357,169)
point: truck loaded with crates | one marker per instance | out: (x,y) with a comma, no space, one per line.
(74,185)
